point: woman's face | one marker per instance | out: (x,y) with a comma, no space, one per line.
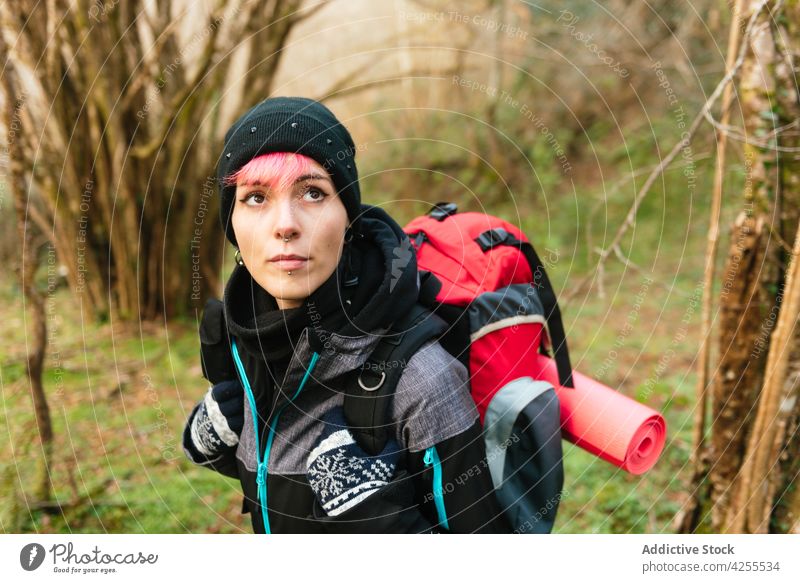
(310,214)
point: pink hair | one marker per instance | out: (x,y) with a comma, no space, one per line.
(277,170)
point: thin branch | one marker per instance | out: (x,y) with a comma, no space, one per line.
(684,142)
(341,89)
(738,135)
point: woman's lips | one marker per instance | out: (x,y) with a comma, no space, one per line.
(289,264)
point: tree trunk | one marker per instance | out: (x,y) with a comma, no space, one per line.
(759,477)
(16,102)
(699,459)
(754,390)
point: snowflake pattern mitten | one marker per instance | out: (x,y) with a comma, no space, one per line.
(219,418)
(340,472)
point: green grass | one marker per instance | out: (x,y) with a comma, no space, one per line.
(118,405)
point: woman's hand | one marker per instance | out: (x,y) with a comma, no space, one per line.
(218,419)
(359,493)
(340,472)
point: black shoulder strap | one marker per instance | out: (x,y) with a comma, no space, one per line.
(552,314)
(215,351)
(369,389)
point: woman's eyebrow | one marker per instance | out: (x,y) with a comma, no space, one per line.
(299,179)
(312,177)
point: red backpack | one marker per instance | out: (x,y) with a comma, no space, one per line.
(496,310)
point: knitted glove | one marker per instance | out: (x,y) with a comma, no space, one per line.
(340,472)
(218,419)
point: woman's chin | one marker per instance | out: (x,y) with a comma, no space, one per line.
(290,292)
(293,288)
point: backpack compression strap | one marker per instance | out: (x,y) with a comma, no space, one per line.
(369,389)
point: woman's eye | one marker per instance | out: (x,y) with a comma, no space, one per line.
(314,194)
(253,199)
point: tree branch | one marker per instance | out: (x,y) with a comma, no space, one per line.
(685,141)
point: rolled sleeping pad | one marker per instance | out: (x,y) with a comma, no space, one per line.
(606,423)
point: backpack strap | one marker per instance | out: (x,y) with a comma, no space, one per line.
(499,236)
(369,389)
(215,350)
(558,338)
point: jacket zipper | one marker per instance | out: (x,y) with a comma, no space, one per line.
(261,468)
(432,458)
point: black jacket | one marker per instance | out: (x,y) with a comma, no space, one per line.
(432,414)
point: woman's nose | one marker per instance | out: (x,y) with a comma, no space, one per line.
(286,225)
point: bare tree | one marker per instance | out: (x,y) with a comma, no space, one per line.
(746,468)
(131,100)
(18,183)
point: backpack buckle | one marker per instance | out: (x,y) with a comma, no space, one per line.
(442,210)
(492,238)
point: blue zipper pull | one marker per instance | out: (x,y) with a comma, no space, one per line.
(261,483)
(260,473)
(431,457)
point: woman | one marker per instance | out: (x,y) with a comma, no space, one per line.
(320,278)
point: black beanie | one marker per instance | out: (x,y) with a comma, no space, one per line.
(290,124)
